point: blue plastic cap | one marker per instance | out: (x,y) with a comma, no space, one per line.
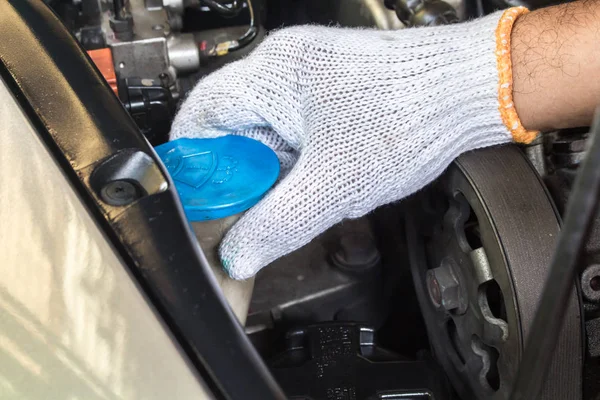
(216,178)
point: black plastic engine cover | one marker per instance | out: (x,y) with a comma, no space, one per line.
(341,361)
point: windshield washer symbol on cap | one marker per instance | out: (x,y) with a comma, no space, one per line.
(193,169)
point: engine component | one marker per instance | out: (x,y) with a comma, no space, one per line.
(323,362)
(147,56)
(581,209)
(105,64)
(535,152)
(174,6)
(151,105)
(146,43)
(568,149)
(353,13)
(565,151)
(230,9)
(590,283)
(308,286)
(491,226)
(233,9)
(138,46)
(356,253)
(444,288)
(423,12)
(184,54)
(224,48)
(121,21)
(217,181)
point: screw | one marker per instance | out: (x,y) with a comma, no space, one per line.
(119,193)
(443,287)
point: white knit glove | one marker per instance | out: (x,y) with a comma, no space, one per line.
(371,116)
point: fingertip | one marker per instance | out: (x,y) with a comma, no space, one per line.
(236,264)
(238,275)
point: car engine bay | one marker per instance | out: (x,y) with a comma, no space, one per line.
(428,298)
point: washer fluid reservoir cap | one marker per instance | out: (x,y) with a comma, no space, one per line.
(219,177)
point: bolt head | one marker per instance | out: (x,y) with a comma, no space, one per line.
(434,289)
(356,252)
(443,287)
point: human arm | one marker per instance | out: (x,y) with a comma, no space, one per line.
(556,65)
(361,118)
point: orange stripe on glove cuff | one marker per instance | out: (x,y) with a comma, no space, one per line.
(505,82)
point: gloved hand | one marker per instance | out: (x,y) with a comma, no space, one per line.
(362,118)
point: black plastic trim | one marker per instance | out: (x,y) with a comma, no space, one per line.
(83,124)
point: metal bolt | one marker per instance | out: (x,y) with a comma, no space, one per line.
(444,288)
(434,289)
(119,193)
(356,252)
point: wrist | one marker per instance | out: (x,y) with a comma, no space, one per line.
(555,55)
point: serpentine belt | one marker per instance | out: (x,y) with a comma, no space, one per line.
(519,227)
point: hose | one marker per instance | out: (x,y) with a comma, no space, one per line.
(250,34)
(223,48)
(234,7)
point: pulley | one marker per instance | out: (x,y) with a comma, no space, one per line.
(480,241)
